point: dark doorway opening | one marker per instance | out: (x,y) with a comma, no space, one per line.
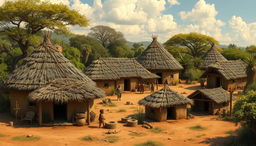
(202,107)
(60,112)
(206,106)
(218,82)
(160,80)
(127,85)
(171,113)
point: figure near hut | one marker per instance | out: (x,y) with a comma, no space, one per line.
(101,119)
(119,93)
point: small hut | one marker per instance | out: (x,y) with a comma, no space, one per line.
(211,57)
(159,61)
(165,104)
(230,75)
(126,72)
(62,98)
(211,101)
(45,64)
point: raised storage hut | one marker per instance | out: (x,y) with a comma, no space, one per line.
(210,101)
(159,61)
(165,104)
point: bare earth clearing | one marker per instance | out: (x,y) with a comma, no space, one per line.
(176,133)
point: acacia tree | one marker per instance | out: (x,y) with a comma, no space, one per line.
(250,70)
(193,44)
(22,20)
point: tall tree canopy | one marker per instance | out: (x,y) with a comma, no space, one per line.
(234,53)
(22,21)
(194,44)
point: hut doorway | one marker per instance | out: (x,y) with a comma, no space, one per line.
(160,80)
(60,112)
(127,85)
(218,82)
(201,106)
(171,113)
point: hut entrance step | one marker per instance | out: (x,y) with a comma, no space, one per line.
(160,80)
(171,113)
(60,112)
(127,85)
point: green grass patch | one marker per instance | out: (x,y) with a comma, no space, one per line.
(199,136)
(137,134)
(121,111)
(149,143)
(110,105)
(111,139)
(190,139)
(2,135)
(25,138)
(230,132)
(157,130)
(197,128)
(89,138)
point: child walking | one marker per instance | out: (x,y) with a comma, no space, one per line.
(101,118)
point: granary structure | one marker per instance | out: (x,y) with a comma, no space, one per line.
(210,101)
(159,61)
(230,75)
(108,73)
(165,104)
(39,70)
(211,57)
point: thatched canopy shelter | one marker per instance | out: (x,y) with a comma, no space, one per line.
(158,60)
(210,100)
(211,57)
(127,72)
(228,74)
(43,65)
(64,90)
(166,103)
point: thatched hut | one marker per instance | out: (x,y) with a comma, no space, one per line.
(159,61)
(126,72)
(211,57)
(230,75)
(44,65)
(211,101)
(62,98)
(165,104)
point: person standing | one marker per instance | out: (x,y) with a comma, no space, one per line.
(141,88)
(101,118)
(152,87)
(119,93)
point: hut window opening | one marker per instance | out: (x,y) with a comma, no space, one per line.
(60,112)
(106,85)
(171,113)
(160,80)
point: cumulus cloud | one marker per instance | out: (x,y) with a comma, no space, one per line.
(174,2)
(1,2)
(66,2)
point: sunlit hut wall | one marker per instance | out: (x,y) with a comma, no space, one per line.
(108,73)
(212,101)
(165,104)
(230,75)
(159,61)
(45,64)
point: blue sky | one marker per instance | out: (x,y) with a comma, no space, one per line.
(228,21)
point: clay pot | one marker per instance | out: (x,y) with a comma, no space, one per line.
(132,122)
(110,125)
(124,120)
(80,119)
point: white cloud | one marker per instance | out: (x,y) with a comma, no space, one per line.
(174,2)
(66,2)
(1,2)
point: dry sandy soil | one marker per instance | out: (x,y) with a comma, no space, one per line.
(176,133)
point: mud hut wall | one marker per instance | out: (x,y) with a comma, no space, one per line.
(47,112)
(107,85)
(181,111)
(22,100)
(134,83)
(212,78)
(169,76)
(219,107)
(158,114)
(235,84)
(121,83)
(77,107)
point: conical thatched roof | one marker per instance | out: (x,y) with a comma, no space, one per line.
(211,57)
(44,64)
(218,95)
(155,57)
(66,89)
(116,68)
(164,98)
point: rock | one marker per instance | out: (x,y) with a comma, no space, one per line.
(169,138)
(106,100)
(29,135)
(112,132)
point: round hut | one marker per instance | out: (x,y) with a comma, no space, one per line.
(45,64)
(63,98)
(211,57)
(159,61)
(165,104)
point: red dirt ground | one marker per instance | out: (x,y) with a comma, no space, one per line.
(176,133)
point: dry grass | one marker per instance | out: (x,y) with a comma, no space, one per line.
(197,128)
(121,111)
(199,136)
(110,105)
(111,139)
(2,135)
(157,130)
(89,138)
(25,138)
(137,134)
(149,143)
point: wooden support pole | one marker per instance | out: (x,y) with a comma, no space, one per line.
(40,113)
(88,112)
(231,100)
